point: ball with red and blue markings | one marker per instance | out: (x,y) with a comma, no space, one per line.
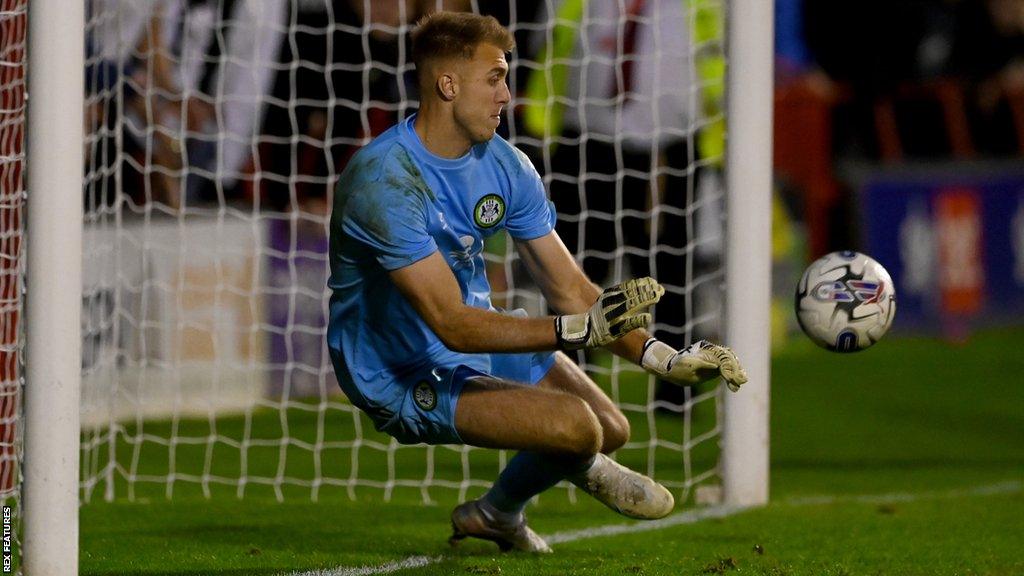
(845,301)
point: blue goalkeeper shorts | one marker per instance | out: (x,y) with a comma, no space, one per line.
(419,406)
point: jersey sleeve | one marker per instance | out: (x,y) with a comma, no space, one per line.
(390,220)
(531,214)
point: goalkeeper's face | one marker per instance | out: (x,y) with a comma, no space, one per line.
(482,93)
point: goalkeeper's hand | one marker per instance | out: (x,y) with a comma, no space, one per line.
(699,362)
(618,311)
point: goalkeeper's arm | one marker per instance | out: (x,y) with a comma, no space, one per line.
(568,291)
(430,286)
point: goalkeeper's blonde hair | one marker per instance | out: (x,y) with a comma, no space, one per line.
(450,35)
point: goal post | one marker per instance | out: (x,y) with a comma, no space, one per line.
(748,240)
(56,44)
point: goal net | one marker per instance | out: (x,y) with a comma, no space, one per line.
(12,194)
(215,134)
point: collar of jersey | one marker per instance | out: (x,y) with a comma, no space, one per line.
(421,152)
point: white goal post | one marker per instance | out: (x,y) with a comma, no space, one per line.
(56,64)
(748,247)
(53,480)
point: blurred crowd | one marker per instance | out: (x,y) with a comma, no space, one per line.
(230,101)
(890,83)
(930,78)
(262,102)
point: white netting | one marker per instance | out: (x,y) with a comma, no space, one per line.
(215,132)
(13,26)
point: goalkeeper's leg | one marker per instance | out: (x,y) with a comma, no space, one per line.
(565,426)
(558,435)
(621,489)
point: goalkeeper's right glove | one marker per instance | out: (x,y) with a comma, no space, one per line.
(618,311)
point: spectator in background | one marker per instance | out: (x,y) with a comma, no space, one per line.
(975,46)
(631,121)
(343,78)
(205,61)
(872,46)
(989,51)
(228,49)
(623,168)
(127,52)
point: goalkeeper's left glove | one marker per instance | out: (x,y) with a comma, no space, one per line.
(698,362)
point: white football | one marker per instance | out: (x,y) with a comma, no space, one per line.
(845,301)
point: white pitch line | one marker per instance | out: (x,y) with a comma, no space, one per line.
(410,562)
(1008,487)
(688,517)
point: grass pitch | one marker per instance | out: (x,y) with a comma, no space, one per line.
(905,459)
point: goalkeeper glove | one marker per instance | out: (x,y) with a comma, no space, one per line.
(618,311)
(698,362)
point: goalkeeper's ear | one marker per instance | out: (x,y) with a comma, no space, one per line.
(447,87)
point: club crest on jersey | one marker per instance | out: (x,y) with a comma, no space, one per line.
(424,396)
(489,211)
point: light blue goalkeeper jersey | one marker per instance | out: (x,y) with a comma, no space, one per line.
(397,203)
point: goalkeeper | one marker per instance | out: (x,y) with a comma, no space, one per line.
(413,336)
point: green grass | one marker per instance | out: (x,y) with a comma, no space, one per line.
(913,416)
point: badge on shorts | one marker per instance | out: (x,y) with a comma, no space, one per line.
(489,211)
(425,396)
